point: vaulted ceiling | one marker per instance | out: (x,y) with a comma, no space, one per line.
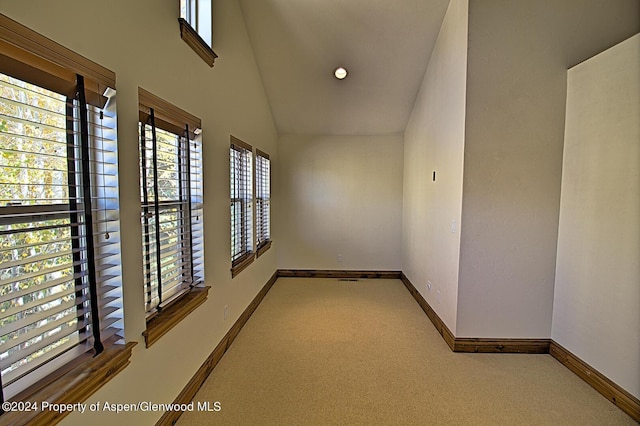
(385,45)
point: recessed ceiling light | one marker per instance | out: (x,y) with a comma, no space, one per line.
(340,73)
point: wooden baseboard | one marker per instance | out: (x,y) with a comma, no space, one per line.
(614,393)
(437,322)
(319,273)
(517,346)
(458,344)
(189,392)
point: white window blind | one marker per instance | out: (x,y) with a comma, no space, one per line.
(59,230)
(171,190)
(263,200)
(241,158)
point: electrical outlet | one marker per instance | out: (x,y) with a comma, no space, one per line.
(429,286)
(226,311)
(438,296)
(339,257)
(454,226)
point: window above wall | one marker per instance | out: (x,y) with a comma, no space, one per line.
(196,27)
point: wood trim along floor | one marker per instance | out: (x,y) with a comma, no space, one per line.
(464,344)
(614,393)
(517,346)
(318,273)
(192,387)
(444,331)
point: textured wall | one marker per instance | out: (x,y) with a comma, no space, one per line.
(434,141)
(341,195)
(597,288)
(516,91)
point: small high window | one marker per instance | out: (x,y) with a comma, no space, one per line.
(196,27)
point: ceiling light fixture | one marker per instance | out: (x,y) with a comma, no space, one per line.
(340,73)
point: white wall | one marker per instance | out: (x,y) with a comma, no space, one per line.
(516,91)
(596,313)
(519,52)
(341,195)
(434,141)
(140,41)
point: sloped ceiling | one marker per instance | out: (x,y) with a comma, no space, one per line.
(386,46)
(593,26)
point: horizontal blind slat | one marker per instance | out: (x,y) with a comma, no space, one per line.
(31,319)
(40,331)
(74,343)
(13,310)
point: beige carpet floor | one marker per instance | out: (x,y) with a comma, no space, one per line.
(330,352)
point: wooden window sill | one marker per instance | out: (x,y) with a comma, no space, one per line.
(262,249)
(241,264)
(85,376)
(169,317)
(193,39)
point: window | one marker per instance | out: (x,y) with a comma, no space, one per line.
(171,198)
(241,158)
(198,14)
(263,202)
(59,230)
(196,27)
